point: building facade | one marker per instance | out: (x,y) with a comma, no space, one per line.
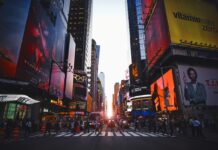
(177,62)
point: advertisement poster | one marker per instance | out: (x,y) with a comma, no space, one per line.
(200,27)
(12,26)
(57,82)
(36,51)
(69,75)
(156,35)
(199,85)
(163,92)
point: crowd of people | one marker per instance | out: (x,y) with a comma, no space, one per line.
(172,126)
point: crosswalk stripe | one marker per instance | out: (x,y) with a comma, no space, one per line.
(86,134)
(94,134)
(78,134)
(126,134)
(107,133)
(132,133)
(118,134)
(102,134)
(161,135)
(110,134)
(61,134)
(153,135)
(67,135)
(142,134)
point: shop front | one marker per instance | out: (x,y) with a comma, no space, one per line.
(16,107)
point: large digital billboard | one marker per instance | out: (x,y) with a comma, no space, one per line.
(57,82)
(13,14)
(199,85)
(163,92)
(146,8)
(80,85)
(156,35)
(69,75)
(36,51)
(189,22)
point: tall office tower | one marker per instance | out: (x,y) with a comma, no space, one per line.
(136,30)
(94,70)
(79,26)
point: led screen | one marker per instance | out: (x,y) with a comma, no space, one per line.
(163,92)
(12,26)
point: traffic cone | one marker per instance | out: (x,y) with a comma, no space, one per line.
(42,130)
(16,133)
(2,133)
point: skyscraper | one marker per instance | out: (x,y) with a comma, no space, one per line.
(136,30)
(79,26)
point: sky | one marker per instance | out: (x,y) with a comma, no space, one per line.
(110,30)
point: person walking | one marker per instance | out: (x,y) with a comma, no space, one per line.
(48,128)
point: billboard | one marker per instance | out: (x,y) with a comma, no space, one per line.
(193,25)
(69,75)
(163,92)
(156,35)
(80,85)
(146,8)
(36,51)
(12,26)
(57,82)
(199,85)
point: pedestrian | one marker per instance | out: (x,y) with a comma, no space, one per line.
(48,128)
(28,127)
(8,129)
(171,126)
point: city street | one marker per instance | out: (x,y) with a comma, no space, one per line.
(127,140)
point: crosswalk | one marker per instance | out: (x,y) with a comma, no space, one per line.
(107,134)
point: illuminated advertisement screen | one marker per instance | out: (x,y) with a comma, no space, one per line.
(163,92)
(146,7)
(141,105)
(12,26)
(69,76)
(36,50)
(80,85)
(57,82)
(134,74)
(199,85)
(129,106)
(78,105)
(193,25)
(156,35)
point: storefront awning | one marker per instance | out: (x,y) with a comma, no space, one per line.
(19,98)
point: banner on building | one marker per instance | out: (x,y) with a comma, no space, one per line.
(199,85)
(163,92)
(193,26)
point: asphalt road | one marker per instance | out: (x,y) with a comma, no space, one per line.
(110,143)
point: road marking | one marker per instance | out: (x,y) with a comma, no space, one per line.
(61,134)
(93,134)
(87,134)
(110,134)
(102,134)
(145,135)
(78,134)
(153,135)
(69,134)
(126,134)
(118,134)
(132,133)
